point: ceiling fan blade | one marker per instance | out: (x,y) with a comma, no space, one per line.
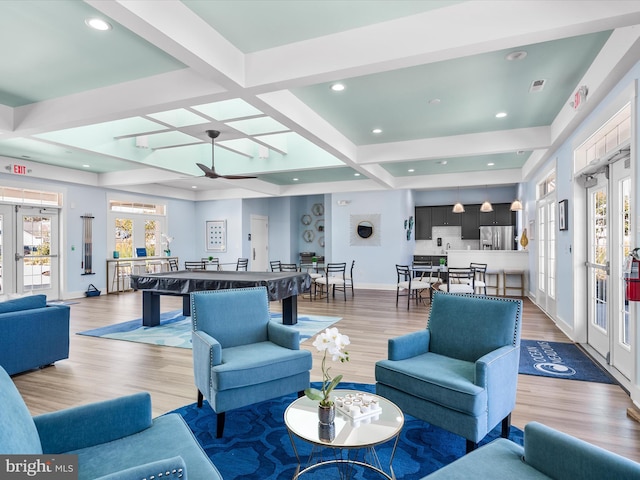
(235,177)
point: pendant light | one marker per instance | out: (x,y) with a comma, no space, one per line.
(516,205)
(486,205)
(458,207)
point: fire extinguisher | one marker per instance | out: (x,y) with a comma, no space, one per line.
(632,276)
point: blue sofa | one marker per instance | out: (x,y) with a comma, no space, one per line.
(547,454)
(32,334)
(114,439)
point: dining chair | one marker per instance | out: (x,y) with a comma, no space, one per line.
(242,264)
(480,276)
(275,265)
(288,267)
(406,283)
(173,265)
(349,277)
(195,265)
(459,280)
(333,279)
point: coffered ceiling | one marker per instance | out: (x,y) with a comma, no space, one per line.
(423,82)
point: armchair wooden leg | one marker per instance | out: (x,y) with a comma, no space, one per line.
(220,426)
(506,426)
(301,394)
(200,399)
(471,446)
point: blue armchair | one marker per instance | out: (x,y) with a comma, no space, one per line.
(114,439)
(240,356)
(461,372)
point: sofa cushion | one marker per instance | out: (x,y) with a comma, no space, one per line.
(500,459)
(18,434)
(169,436)
(258,363)
(450,383)
(25,303)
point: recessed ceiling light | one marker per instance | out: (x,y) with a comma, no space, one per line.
(356,174)
(194,186)
(435,101)
(295,179)
(490,164)
(376,131)
(98,24)
(337,87)
(441,162)
(411,170)
(517,55)
(86,166)
(501,115)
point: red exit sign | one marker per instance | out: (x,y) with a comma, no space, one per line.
(19,169)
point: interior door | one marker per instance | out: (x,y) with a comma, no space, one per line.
(36,254)
(259,243)
(546,226)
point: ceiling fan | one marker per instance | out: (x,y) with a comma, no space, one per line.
(211,172)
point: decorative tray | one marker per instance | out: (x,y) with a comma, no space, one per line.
(358,406)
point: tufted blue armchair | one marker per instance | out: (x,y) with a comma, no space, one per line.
(113,439)
(241,356)
(461,372)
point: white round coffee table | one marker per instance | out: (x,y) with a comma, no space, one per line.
(352,441)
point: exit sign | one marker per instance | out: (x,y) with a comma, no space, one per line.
(19,169)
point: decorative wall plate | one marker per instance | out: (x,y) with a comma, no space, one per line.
(306,219)
(321,241)
(308,236)
(317,209)
(320,225)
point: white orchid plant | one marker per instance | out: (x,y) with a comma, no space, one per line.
(331,342)
(167,242)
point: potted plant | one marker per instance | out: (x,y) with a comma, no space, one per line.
(330,341)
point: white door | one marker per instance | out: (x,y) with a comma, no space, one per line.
(609,214)
(7,276)
(546,226)
(259,243)
(36,254)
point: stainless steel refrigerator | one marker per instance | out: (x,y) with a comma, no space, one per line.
(497,238)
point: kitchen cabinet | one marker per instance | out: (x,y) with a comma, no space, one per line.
(471,222)
(423,223)
(501,215)
(443,216)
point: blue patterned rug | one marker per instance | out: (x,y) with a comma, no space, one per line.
(559,360)
(175,329)
(256,444)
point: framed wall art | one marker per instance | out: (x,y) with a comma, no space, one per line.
(563,215)
(216,235)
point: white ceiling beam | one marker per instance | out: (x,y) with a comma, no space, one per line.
(455,146)
(433,36)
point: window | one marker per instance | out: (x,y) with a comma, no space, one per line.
(136,225)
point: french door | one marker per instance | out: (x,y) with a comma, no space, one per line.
(609,217)
(29,260)
(546,226)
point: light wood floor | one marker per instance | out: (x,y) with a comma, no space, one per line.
(101,368)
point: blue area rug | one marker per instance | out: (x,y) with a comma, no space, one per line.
(175,329)
(559,360)
(256,444)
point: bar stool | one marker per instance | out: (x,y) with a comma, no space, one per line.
(519,274)
(121,272)
(490,285)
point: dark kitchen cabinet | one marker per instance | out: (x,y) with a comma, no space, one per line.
(423,223)
(443,216)
(501,215)
(470,222)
